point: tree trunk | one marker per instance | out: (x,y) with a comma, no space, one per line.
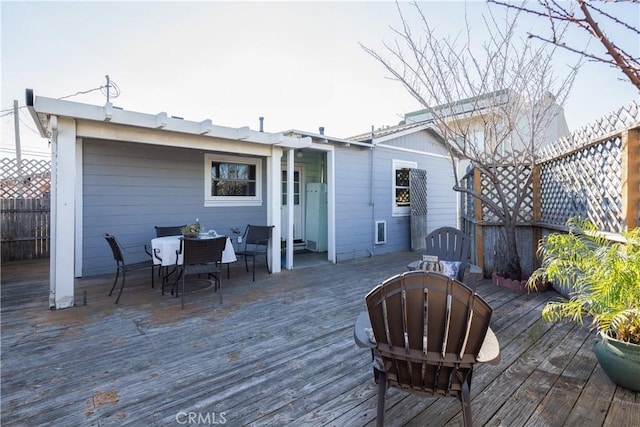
(508,259)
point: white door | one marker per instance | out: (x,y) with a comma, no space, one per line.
(298,203)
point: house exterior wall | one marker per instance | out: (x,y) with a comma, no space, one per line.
(130,188)
(365,195)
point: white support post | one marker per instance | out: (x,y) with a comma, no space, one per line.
(62,253)
(290,199)
(274,195)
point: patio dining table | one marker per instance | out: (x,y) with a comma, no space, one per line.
(164,250)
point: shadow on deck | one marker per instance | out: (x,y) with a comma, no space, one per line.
(277,352)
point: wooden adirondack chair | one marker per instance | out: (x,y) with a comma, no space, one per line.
(426,333)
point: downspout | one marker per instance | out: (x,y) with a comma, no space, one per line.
(372,197)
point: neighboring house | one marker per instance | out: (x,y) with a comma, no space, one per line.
(477,116)
(123,172)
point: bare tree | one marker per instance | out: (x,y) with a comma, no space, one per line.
(586,16)
(494,104)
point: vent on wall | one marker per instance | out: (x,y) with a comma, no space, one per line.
(380,233)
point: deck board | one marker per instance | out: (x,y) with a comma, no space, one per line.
(277,352)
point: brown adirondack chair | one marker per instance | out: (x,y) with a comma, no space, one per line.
(426,333)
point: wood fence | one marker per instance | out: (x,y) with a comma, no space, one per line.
(25,228)
(24,209)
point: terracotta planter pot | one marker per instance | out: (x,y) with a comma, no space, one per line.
(191,235)
(517,285)
(619,360)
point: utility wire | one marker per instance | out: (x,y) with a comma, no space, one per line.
(27,125)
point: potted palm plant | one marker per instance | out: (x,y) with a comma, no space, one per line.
(603,278)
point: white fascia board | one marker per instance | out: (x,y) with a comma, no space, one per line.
(48,106)
(409,131)
(410,150)
(116,132)
(325,139)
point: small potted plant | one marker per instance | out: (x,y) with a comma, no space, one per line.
(191,230)
(603,279)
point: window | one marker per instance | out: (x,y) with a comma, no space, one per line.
(401,196)
(296,187)
(232,181)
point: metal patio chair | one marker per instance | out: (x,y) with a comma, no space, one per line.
(162,231)
(426,333)
(256,241)
(122,266)
(202,256)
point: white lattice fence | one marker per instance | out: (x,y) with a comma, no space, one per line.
(32,181)
(586,183)
(581,175)
(511,178)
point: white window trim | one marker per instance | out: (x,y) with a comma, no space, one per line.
(399,164)
(216,201)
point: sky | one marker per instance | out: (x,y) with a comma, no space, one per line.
(298,64)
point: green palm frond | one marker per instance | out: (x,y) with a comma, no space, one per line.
(604,278)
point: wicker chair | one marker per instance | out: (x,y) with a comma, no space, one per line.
(122,266)
(426,333)
(256,241)
(202,256)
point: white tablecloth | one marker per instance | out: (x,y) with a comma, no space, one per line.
(166,247)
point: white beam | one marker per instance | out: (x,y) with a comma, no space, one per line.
(86,112)
(161,120)
(205,126)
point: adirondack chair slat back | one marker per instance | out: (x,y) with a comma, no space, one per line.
(429,330)
(449,244)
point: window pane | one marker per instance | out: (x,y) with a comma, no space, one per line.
(402,197)
(402,177)
(232,179)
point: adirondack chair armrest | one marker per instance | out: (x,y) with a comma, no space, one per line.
(490,350)
(361,331)
(469,274)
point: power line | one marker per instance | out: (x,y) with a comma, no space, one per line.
(28,127)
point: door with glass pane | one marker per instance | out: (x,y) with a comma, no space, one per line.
(297,205)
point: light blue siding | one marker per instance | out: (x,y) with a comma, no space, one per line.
(364,196)
(129,188)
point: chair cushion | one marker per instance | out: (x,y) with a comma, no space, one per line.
(430,265)
(450,268)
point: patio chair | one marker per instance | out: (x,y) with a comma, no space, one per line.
(122,266)
(169,231)
(451,244)
(426,332)
(256,241)
(162,231)
(202,256)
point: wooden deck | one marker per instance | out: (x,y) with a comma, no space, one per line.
(279,351)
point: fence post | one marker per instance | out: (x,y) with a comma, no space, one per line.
(631,178)
(477,187)
(536,213)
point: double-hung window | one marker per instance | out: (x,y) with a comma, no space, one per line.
(232,181)
(401,197)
